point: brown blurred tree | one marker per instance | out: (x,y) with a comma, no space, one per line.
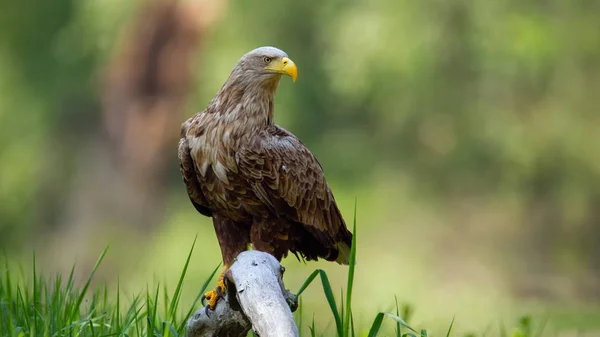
(122,177)
(145,88)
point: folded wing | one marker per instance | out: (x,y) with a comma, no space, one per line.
(289,180)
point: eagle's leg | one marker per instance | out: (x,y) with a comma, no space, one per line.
(271,236)
(214,295)
(233,239)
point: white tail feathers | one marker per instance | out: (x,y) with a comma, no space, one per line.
(343,253)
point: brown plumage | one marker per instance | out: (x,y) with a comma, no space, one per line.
(257,181)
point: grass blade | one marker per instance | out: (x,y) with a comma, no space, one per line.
(166,301)
(152,317)
(299,317)
(307,282)
(398,326)
(35,295)
(177,294)
(312,328)
(450,328)
(399,320)
(374,331)
(331,300)
(77,304)
(117,318)
(200,293)
(350,276)
(170,330)
(341,310)
(8,280)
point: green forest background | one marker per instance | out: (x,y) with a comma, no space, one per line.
(468,131)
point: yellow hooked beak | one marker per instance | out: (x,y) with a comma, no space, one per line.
(285,67)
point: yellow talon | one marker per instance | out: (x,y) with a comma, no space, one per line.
(214,295)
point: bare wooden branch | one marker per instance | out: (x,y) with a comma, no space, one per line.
(256,298)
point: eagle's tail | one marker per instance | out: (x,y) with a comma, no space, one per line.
(343,253)
(318,244)
(342,248)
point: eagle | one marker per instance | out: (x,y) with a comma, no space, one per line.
(259,183)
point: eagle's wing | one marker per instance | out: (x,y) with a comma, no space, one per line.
(289,180)
(190,177)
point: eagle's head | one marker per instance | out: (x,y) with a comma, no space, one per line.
(251,86)
(264,65)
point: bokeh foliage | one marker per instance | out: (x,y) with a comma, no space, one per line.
(483,115)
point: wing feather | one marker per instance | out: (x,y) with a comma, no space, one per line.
(188,172)
(288,179)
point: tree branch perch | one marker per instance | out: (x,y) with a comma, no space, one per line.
(255,298)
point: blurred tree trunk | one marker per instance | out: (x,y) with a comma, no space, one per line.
(145,89)
(121,184)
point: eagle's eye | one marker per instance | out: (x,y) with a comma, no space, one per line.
(267,59)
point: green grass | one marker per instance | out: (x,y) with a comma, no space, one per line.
(43,306)
(36,305)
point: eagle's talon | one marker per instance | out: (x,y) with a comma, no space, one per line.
(292,302)
(203,299)
(206,308)
(214,295)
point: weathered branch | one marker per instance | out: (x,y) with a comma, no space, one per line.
(256,298)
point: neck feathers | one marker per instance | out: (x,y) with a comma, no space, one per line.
(248,101)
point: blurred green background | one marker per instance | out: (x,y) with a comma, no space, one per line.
(468,131)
